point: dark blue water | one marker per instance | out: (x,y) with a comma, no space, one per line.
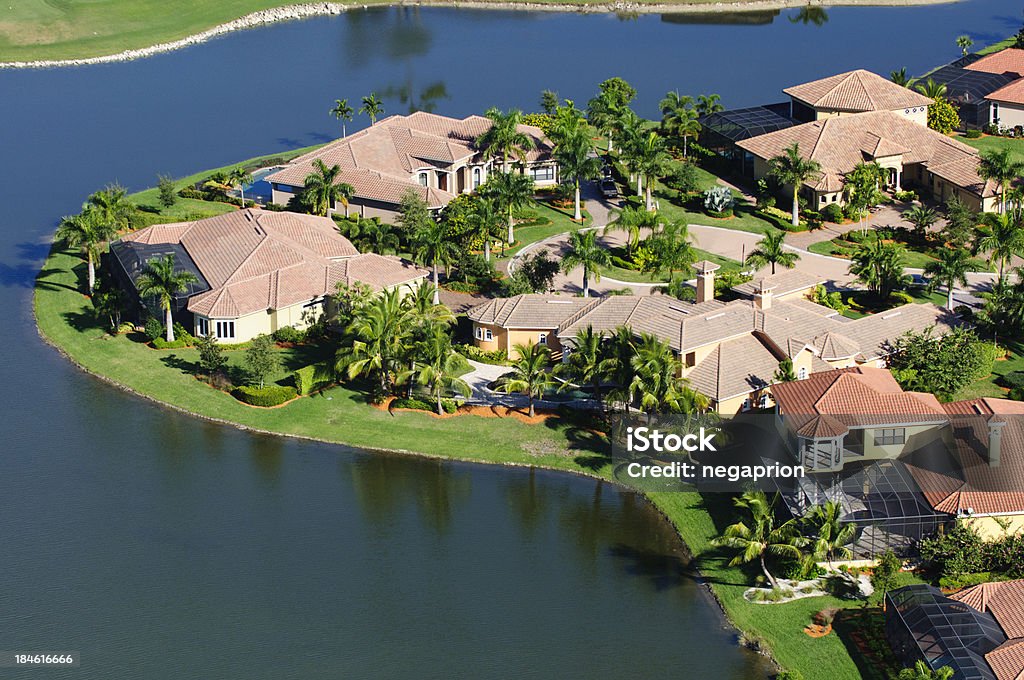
(162,547)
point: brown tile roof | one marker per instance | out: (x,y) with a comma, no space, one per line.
(856,91)
(1003,599)
(530,311)
(734,368)
(379,161)
(1007,660)
(839,144)
(785,282)
(256,260)
(1010,60)
(874,334)
(1012,93)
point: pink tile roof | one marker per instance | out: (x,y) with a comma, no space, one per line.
(256,260)
(855,91)
(1012,93)
(1010,60)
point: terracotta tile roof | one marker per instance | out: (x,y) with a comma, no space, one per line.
(256,260)
(380,161)
(530,311)
(786,282)
(1003,599)
(734,368)
(1007,660)
(839,144)
(1012,93)
(855,91)
(1010,60)
(823,427)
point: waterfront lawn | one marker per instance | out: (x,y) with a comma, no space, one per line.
(995,143)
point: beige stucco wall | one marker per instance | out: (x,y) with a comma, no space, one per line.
(917,437)
(1010,115)
(507,339)
(989,528)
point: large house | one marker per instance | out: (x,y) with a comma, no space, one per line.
(434,156)
(729,351)
(853,92)
(258,271)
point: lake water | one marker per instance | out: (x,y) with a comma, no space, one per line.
(163,547)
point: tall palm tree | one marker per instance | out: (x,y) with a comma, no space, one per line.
(87,232)
(964,42)
(604,112)
(380,335)
(932,89)
(111,205)
(900,78)
(567,121)
(1000,166)
(949,269)
(372,107)
(708,104)
(651,161)
(485,223)
(678,117)
(761,535)
(879,266)
(509,190)
(922,217)
(771,250)
(321,189)
(585,365)
(433,246)
(239,177)
(656,383)
(632,219)
(343,112)
(439,370)
(577,162)
(1002,239)
(831,535)
(160,280)
(584,251)
(504,139)
(791,168)
(529,374)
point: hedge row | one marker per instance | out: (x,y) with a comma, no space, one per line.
(271,395)
(447,405)
(496,357)
(313,377)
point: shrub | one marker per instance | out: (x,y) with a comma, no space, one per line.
(972,134)
(313,377)
(962,581)
(1012,380)
(461,287)
(180,333)
(496,357)
(954,553)
(271,395)
(153,328)
(126,327)
(832,213)
(288,334)
(165,190)
(685,179)
(161,343)
(719,201)
(415,404)
(884,577)
(191,192)
(274,207)
(211,355)
(841,586)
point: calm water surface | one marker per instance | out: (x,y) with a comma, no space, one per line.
(162,547)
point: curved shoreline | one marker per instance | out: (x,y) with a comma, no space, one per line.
(310,10)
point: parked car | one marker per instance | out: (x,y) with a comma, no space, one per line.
(608,189)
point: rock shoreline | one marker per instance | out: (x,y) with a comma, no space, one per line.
(317,9)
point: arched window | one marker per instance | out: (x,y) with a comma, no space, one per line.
(423,179)
(476,178)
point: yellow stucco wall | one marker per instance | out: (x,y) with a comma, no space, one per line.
(989,528)
(506,340)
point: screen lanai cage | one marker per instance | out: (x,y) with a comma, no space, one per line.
(923,624)
(880,498)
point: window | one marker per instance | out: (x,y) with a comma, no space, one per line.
(746,404)
(995,112)
(542,338)
(476,178)
(488,335)
(545,173)
(691,359)
(802,373)
(423,179)
(225,330)
(764,401)
(202,326)
(890,436)
(479,333)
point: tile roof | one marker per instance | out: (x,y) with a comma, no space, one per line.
(530,311)
(1012,93)
(734,368)
(1004,600)
(785,282)
(857,91)
(1010,60)
(379,161)
(256,260)
(839,144)
(874,334)
(1007,660)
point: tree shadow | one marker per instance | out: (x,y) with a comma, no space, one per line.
(663,571)
(40,279)
(174,361)
(82,321)
(848,625)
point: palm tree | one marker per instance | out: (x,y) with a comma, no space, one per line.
(585,363)
(879,266)
(343,112)
(372,107)
(791,168)
(432,245)
(485,223)
(568,121)
(630,137)
(771,250)
(577,162)
(922,671)
(618,365)
(378,237)
(932,89)
(585,252)
(509,190)
(239,177)
(672,249)
(831,534)
(1000,166)
(380,335)
(321,189)
(922,217)
(708,104)
(678,117)
(112,206)
(632,219)
(160,280)
(504,138)
(651,160)
(656,383)
(964,42)
(439,371)
(529,374)
(900,78)
(761,536)
(1002,239)
(949,269)
(603,112)
(88,232)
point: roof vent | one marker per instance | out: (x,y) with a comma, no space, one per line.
(714,316)
(891,316)
(559,302)
(681,310)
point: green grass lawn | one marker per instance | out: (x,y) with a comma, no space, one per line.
(633,276)
(988,386)
(992,143)
(65,317)
(552,221)
(913,259)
